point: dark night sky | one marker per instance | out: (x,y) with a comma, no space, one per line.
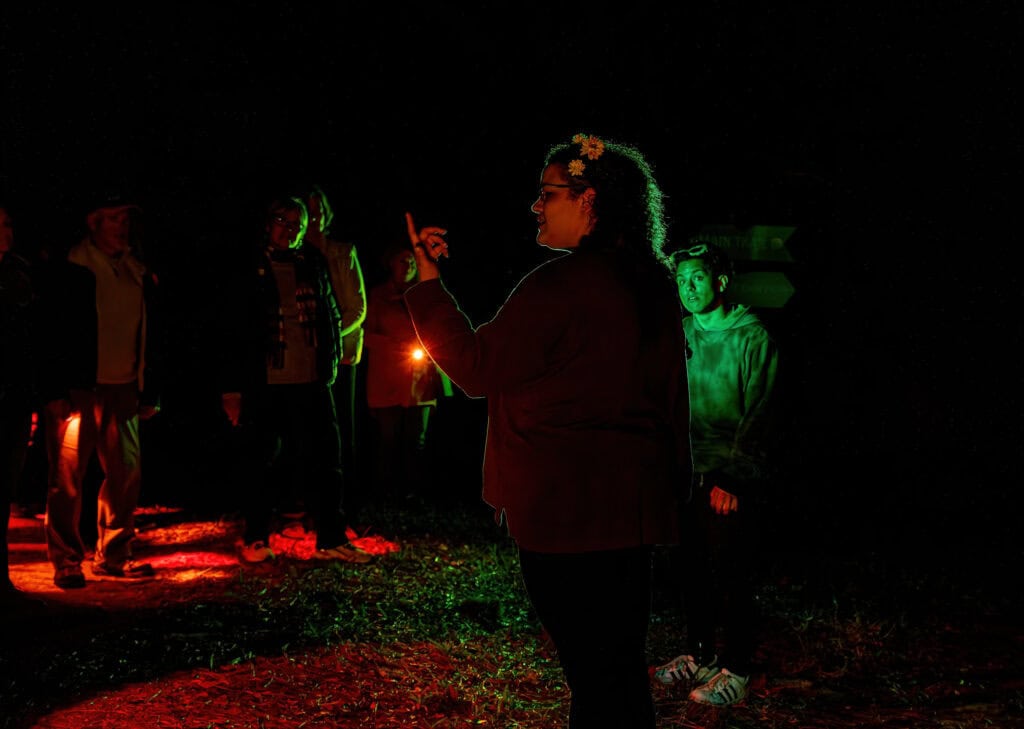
(877,136)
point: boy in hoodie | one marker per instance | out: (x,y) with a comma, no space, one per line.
(731,368)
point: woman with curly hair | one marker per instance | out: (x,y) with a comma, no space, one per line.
(583,368)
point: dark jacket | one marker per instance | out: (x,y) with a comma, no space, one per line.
(587,436)
(18,328)
(247,315)
(68,332)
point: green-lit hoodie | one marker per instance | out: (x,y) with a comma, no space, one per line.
(731,372)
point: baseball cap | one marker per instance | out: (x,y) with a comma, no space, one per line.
(110,200)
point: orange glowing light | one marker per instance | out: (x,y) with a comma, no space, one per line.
(418,353)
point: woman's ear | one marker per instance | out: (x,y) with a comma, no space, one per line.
(723,283)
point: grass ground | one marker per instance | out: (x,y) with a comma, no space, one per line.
(438,633)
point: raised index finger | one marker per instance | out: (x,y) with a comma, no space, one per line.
(414,237)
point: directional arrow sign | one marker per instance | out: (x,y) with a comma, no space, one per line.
(762,289)
(756,243)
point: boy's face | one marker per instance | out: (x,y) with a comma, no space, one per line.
(698,289)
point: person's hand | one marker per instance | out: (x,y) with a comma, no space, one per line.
(148,411)
(428,246)
(231,402)
(722,502)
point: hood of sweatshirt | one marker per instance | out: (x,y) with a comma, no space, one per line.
(739,315)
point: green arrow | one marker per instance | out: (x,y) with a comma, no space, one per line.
(763,289)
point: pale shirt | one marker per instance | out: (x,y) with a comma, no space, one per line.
(121,313)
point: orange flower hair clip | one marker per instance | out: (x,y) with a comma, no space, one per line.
(590,147)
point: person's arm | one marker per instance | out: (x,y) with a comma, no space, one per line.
(67,330)
(350,292)
(748,459)
(510,349)
(428,245)
(239,337)
(154,350)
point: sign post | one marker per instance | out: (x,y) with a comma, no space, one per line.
(756,243)
(754,249)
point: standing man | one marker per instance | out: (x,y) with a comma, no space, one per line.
(17,380)
(349,290)
(732,361)
(108,386)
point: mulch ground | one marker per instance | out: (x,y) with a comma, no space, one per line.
(151,653)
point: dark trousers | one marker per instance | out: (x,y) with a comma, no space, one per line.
(15,428)
(596,606)
(715,572)
(294,453)
(345,395)
(400,444)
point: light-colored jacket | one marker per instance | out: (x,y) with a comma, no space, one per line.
(350,294)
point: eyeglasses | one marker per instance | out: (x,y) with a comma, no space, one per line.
(542,194)
(289,225)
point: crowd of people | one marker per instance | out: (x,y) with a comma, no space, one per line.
(629,407)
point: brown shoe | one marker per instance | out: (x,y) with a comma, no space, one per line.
(255,552)
(344,554)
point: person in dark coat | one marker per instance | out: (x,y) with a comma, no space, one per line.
(280,347)
(18,364)
(587,450)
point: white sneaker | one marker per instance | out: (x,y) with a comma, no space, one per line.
(255,553)
(686,669)
(723,689)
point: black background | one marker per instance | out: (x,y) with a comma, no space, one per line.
(890,141)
